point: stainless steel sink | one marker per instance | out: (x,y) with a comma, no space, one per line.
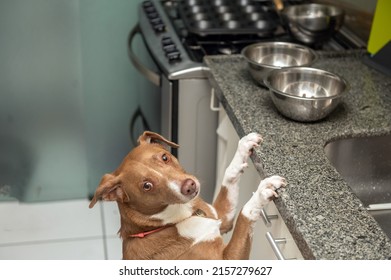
(365,164)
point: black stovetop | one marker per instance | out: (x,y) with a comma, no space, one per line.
(203,31)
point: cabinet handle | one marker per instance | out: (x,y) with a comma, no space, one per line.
(212,101)
(274,243)
(266,218)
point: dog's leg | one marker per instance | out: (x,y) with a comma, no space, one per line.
(227,199)
(240,244)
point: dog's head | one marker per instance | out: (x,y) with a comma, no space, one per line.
(149,178)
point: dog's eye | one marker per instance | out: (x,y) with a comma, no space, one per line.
(147,186)
(165,158)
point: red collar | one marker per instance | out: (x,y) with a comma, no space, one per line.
(197,212)
(143,234)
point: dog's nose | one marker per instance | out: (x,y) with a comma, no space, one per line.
(189,187)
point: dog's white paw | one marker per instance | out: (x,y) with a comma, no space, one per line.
(247,143)
(266,192)
(267,187)
(239,162)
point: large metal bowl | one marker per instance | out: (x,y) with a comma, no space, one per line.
(305,94)
(312,23)
(265,57)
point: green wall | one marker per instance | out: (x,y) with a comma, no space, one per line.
(67,93)
(111,85)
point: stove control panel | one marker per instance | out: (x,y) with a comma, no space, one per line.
(154,17)
(169,47)
(164,44)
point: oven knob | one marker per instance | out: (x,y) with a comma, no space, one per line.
(152,15)
(169,48)
(173,56)
(157,24)
(156,21)
(147,4)
(159,27)
(166,40)
(150,9)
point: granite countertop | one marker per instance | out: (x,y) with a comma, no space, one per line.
(326,220)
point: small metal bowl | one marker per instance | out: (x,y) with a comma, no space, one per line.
(265,57)
(312,23)
(305,94)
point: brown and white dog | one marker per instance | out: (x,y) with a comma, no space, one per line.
(162,216)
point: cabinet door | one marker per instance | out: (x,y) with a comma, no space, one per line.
(261,248)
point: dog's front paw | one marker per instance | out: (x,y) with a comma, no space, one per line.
(239,162)
(267,188)
(266,191)
(248,143)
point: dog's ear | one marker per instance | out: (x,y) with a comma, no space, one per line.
(149,137)
(109,188)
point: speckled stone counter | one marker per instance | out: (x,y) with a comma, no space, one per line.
(326,220)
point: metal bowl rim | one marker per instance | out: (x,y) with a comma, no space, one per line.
(265,44)
(299,68)
(287,11)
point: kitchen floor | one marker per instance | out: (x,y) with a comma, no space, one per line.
(61,230)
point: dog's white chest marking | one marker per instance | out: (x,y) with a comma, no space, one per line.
(174,213)
(199,229)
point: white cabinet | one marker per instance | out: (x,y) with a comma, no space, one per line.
(276,229)
(278,236)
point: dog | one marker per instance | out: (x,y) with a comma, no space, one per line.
(162,215)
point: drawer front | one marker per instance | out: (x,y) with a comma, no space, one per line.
(277,235)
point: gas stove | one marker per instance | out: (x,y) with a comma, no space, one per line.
(180,33)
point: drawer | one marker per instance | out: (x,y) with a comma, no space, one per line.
(277,235)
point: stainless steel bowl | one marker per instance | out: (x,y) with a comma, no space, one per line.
(305,94)
(265,57)
(312,23)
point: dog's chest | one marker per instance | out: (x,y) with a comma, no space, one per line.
(199,229)
(196,221)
